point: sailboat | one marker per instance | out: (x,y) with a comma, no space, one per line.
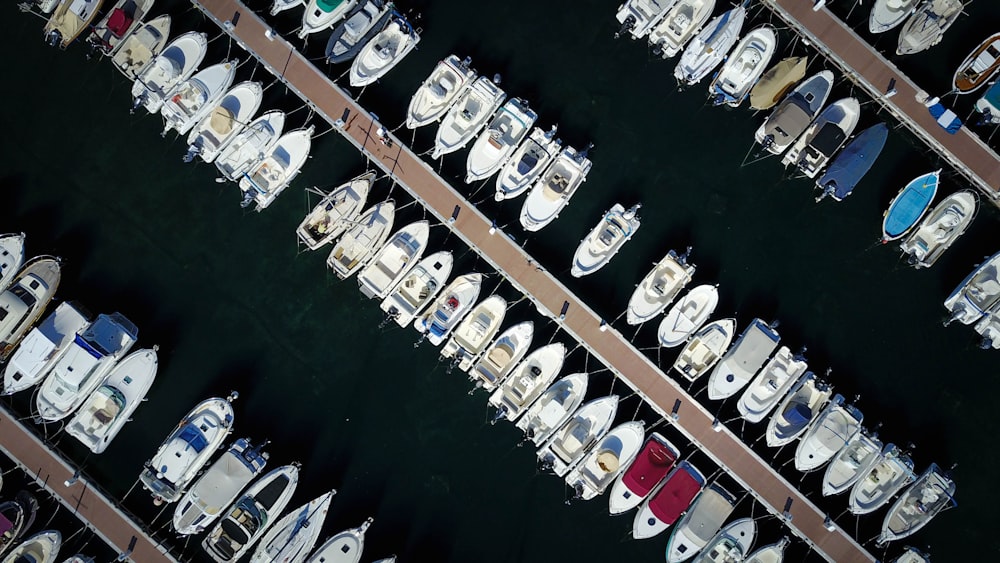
(270,175)
(793,114)
(394,260)
(979,67)
(668,502)
(70,19)
(821,140)
(554,188)
(659,287)
(335,213)
(118,23)
(758,341)
(927,25)
(651,465)
(705,348)
(362,239)
(566,446)
(293,537)
(606,460)
(320,15)
(195,97)
(223,122)
(384,51)
(449,308)
(496,143)
(418,288)
(245,149)
(701,522)
(851,165)
(439,91)
(553,408)
(793,416)
(908,207)
(43,347)
(11,258)
(637,17)
(617,227)
(732,543)
(25,299)
(527,163)
(744,67)
(345,547)
(687,315)
(497,361)
(709,48)
(361,24)
(475,332)
(527,381)
(887,14)
(467,116)
(892,472)
(678,26)
(940,228)
(833,429)
(175,64)
(771,384)
(136,50)
(777,81)
(977,294)
(852,463)
(932,493)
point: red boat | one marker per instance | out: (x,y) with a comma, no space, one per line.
(655,460)
(669,502)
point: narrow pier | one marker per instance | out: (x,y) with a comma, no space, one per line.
(606,344)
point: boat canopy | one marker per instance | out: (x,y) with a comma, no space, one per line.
(194,438)
(828,139)
(118,22)
(800,414)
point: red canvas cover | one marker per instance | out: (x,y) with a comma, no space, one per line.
(652,463)
(119,22)
(675,496)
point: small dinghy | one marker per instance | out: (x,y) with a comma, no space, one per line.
(570,442)
(703,520)
(527,381)
(802,404)
(140,47)
(345,547)
(117,24)
(294,536)
(852,463)
(527,163)
(892,472)
(553,190)
(418,288)
(705,348)
(617,227)
(25,299)
(553,408)
(927,25)
(362,240)
(11,258)
(794,114)
(502,355)
(335,213)
(771,384)
(43,347)
(606,460)
(384,51)
(833,429)
(223,122)
(394,260)
(940,228)
(710,47)
(69,20)
(748,354)
(195,97)
(475,332)
(650,466)
(450,308)
(678,26)
(933,492)
(665,505)
(42,547)
(170,68)
(777,81)
(468,116)
(979,67)
(732,543)
(909,206)
(236,158)
(281,163)
(357,29)
(851,165)
(688,315)
(978,293)
(660,287)
(887,14)
(821,140)
(440,90)
(504,133)
(743,68)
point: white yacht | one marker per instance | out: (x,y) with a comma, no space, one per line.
(467,116)
(495,144)
(475,332)
(703,520)
(497,361)
(195,97)
(571,441)
(43,347)
(887,14)
(218,487)
(832,430)
(527,163)
(731,544)
(705,348)
(933,492)
(418,288)
(117,24)
(384,51)
(345,547)
(892,472)
(615,229)
(744,67)
(449,308)
(606,460)
(187,449)
(439,91)
(709,47)
(25,299)
(366,19)
(11,258)
(927,25)
(42,547)
(852,463)
(940,228)
(771,384)
(362,240)
(175,64)
(292,538)
(335,213)
(141,46)
(748,354)
(553,408)
(793,114)
(655,459)
(660,287)
(821,140)
(321,15)
(688,315)
(678,26)
(270,175)
(802,404)
(249,145)
(637,17)
(69,20)
(110,406)
(224,121)
(394,260)
(773,553)
(977,294)
(527,381)
(554,188)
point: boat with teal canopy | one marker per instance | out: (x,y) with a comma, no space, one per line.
(909,206)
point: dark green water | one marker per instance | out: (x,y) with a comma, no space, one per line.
(233,305)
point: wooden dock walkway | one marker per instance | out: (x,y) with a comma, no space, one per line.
(610,347)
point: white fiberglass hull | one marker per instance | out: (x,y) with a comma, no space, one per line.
(394,260)
(705,348)
(467,116)
(335,213)
(360,243)
(553,190)
(770,385)
(606,460)
(224,121)
(659,288)
(494,145)
(170,68)
(475,331)
(709,48)
(195,97)
(497,361)
(383,52)
(527,164)
(569,443)
(528,380)
(250,145)
(266,179)
(679,25)
(940,228)
(43,347)
(418,288)
(449,79)
(688,315)
(833,429)
(553,408)
(802,404)
(294,536)
(450,308)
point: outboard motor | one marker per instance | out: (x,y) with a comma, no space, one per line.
(718,100)
(986,343)
(501,412)
(139,101)
(247,199)
(768,141)
(628,24)
(193,151)
(53,38)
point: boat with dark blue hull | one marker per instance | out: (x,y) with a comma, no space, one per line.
(853,163)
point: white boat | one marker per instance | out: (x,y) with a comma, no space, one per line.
(553,189)
(709,48)
(821,140)
(292,538)
(615,229)
(802,404)
(11,258)
(705,348)
(335,212)
(394,260)
(978,293)
(439,91)
(278,6)
(940,228)
(912,555)
(887,14)
(671,500)
(933,492)
(84,366)
(366,19)
(637,17)
(979,67)
(659,288)
(42,547)
(194,98)
(272,173)
(678,26)
(927,25)
(25,299)
(793,114)
(251,515)
(703,520)
(218,487)
(475,332)
(111,405)
(497,361)
(449,308)
(852,463)
(494,145)
(140,47)
(731,544)
(832,430)
(43,347)
(773,553)
(771,384)
(345,547)
(249,146)
(175,64)
(741,362)
(384,51)
(362,240)
(69,20)
(553,408)
(467,116)
(224,121)
(744,67)
(655,459)
(988,327)
(527,381)
(43,6)
(606,460)
(571,441)
(890,473)
(418,288)
(187,449)
(320,15)
(117,24)
(688,315)
(530,159)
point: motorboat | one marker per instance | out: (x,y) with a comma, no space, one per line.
(554,188)
(502,136)
(384,51)
(793,114)
(913,555)
(439,91)
(281,163)
(988,105)
(187,449)
(12,523)
(615,229)
(556,405)
(249,145)
(705,348)
(527,381)
(194,98)
(224,121)
(497,361)
(678,26)
(824,137)
(449,308)
(989,328)
(11,258)
(773,553)
(394,260)
(709,48)
(802,404)
(925,28)
(362,240)
(669,501)
(345,547)
(656,458)
(43,347)
(140,47)
(979,67)
(278,6)
(687,316)
(527,163)
(42,547)
(467,116)
(940,228)
(293,537)
(251,515)
(909,206)
(218,487)
(932,493)
(770,385)
(701,522)
(660,287)
(851,165)
(741,362)
(977,294)
(887,476)
(776,81)
(118,23)
(852,463)
(320,15)
(832,430)
(887,14)
(69,20)
(637,17)
(732,543)
(84,366)
(362,23)
(418,288)
(335,212)
(606,460)
(25,299)
(744,67)
(475,332)
(175,64)
(111,405)
(42,6)
(570,442)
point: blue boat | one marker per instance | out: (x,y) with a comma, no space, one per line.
(853,163)
(909,206)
